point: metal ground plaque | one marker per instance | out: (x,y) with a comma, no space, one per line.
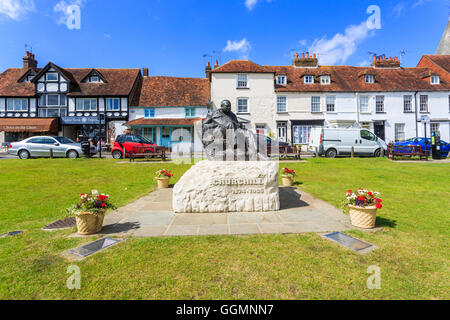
(93,247)
(348,241)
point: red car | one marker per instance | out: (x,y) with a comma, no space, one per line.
(127,142)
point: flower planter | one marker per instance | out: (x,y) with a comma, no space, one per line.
(363,217)
(287,181)
(88,223)
(163,183)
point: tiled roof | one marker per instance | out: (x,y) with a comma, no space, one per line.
(11,88)
(442,61)
(351,79)
(119,82)
(173,92)
(241,66)
(163,122)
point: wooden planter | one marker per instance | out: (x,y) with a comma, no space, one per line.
(363,217)
(88,223)
(163,183)
(287,181)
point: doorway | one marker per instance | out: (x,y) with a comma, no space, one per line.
(379,129)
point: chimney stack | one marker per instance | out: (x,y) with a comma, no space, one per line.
(216,65)
(145,72)
(29,61)
(382,62)
(208,71)
(306,61)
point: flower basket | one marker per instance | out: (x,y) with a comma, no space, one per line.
(163,183)
(163,178)
(90,212)
(287,177)
(363,217)
(89,223)
(287,181)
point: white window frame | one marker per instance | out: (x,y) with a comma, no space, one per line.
(400,135)
(242,81)
(331,103)
(424,103)
(90,104)
(309,79)
(435,80)
(437,126)
(315,101)
(369,78)
(379,104)
(281,103)
(12,106)
(361,110)
(112,104)
(407,103)
(281,80)
(325,80)
(237,106)
(48,80)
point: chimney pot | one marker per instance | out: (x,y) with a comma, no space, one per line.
(314,55)
(303,55)
(296,55)
(29,61)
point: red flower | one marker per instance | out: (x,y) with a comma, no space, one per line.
(360,198)
(379,206)
(349,192)
(379,200)
(370,193)
(103,205)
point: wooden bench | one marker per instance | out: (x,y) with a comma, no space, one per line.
(407,151)
(148,152)
(289,151)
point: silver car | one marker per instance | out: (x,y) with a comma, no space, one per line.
(39,147)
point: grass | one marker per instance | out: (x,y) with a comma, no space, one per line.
(413,249)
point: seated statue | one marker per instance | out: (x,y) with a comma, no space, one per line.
(225,140)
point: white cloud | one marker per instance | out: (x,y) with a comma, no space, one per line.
(419,3)
(242,47)
(251,4)
(341,46)
(303,43)
(62,7)
(364,63)
(14,9)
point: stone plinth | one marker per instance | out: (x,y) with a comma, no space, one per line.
(221,186)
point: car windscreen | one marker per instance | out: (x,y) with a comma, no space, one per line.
(144,140)
(63,140)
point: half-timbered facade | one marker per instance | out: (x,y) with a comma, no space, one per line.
(86,103)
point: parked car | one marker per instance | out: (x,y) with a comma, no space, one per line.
(445,147)
(124,144)
(40,146)
(332,142)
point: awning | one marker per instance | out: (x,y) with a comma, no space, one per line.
(29,125)
(163,122)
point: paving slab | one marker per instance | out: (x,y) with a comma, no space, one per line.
(152,216)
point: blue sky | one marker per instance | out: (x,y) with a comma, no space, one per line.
(172,37)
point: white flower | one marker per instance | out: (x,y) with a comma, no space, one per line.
(94,192)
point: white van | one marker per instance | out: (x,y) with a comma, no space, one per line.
(333,142)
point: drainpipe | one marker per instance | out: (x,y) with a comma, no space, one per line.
(357,107)
(416,114)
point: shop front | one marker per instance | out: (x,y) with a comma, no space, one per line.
(84,128)
(14,130)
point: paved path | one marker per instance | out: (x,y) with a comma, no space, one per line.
(152,216)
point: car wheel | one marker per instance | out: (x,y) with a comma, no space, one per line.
(117,154)
(331,153)
(24,154)
(377,153)
(72,154)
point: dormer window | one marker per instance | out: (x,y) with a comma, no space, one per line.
(309,79)
(324,80)
(369,78)
(281,80)
(94,79)
(435,80)
(51,76)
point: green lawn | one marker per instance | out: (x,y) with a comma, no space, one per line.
(413,249)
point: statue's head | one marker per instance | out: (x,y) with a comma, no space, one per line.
(225,106)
